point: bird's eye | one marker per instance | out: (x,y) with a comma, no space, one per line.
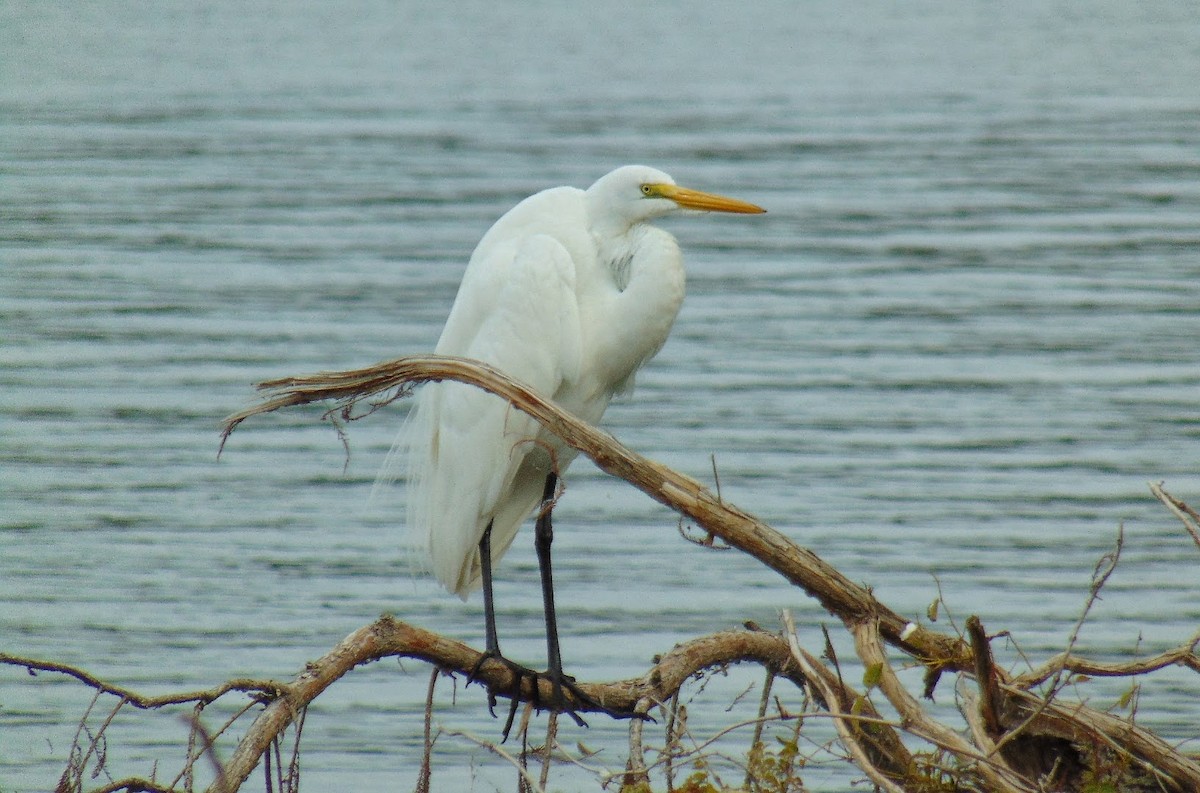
(647,190)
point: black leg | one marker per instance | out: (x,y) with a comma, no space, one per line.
(542,540)
(492,638)
(489,608)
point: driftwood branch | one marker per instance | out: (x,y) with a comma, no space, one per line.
(842,597)
(869,737)
(1021,737)
(388,637)
(1017,740)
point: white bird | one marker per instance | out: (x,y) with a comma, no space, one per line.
(570,292)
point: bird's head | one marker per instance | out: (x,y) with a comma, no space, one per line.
(636,193)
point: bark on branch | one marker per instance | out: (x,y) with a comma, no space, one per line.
(1011,725)
(849,601)
(1022,741)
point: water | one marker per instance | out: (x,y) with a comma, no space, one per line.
(955,350)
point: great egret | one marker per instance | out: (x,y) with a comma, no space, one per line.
(571,291)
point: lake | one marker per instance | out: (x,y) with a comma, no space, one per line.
(952,355)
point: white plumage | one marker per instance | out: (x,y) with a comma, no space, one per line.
(570,292)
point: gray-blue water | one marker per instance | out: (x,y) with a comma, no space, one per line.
(958,346)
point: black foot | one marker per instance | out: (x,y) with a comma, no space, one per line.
(558,681)
(519,675)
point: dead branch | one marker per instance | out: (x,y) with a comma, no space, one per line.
(267,689)
(1183,655)
(850,602)
(1189,517)
(985,677)
(426,772)
(1015,731)
(388,637)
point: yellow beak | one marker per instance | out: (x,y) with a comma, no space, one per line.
(708,202)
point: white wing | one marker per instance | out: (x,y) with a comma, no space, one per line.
(473,458)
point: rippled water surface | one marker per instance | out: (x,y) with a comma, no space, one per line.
(954,352)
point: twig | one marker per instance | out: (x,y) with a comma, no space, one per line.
(425,774)
(985,677)
(99,742)
(72,775)
(832,698)
(700,746)
(267,688)
(981,733)
(193,757)
(1105,566)
(636,771)
(1187,516)
(548,747)
(294,764)
(500,752)
(208,749)
(672,742)
(1183,655)
(763,702)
